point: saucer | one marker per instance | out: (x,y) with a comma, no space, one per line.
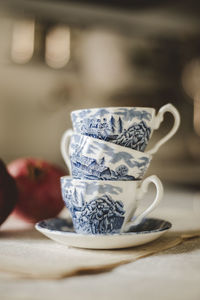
(61,231)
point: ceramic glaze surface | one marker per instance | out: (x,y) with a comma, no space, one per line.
(105,207)
(98,160)
(62,231)
(128,127)
(94,209)
(148,225)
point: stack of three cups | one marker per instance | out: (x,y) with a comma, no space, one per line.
(105,153)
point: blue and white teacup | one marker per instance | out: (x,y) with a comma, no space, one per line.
(102,207)
(90,158)
(130,127)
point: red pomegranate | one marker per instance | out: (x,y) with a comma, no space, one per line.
(38,184)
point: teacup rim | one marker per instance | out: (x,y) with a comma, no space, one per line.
(149,156)
(70,177)
(113,107)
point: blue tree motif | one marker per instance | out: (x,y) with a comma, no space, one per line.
(122,170)
(135,137)
(112,121)
(120,125)
(101,215)
(102,161)
(68,197)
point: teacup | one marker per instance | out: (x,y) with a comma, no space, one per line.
(102,207)
(126,126)
(90,158)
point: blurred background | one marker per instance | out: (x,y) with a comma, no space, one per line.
(58,56)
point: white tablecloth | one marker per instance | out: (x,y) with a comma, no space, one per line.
(171,274)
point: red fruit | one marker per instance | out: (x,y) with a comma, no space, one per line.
(38,184)
(8,193)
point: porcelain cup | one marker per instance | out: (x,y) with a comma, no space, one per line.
(126,126)
(107,207)
(94,159)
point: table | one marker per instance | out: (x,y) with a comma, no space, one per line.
(172,274)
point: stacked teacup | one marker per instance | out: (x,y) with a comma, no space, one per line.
(107,158)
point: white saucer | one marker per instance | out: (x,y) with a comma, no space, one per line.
(61,231)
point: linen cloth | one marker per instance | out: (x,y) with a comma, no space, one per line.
(27,253)
(170,274)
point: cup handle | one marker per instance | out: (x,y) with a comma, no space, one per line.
(142,190)
(64,147)
(159,118)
